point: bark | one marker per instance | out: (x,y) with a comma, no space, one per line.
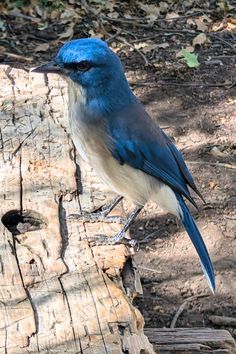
(58,292)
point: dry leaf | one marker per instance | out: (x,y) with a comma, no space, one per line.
(68,33)
(42,47)
(217,153)
(217,26)
(110,6)
(152,11)
(140,45)
(201,24)
(69,13)
(212,184)
(232,20)
(190,22)
(231,24)
(199,39)
(163,6)
(55,14)
(188,3)
(113,14)
(148,49)
(172,15)
(2,49)
(163,45)
(96,35)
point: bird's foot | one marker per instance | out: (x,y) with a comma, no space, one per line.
(99,216)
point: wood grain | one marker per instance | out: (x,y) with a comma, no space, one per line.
(58,293)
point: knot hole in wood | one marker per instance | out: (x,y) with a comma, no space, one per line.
(18,222)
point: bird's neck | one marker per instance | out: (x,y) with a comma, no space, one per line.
(103,100)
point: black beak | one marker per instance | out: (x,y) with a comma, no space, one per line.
(50,67)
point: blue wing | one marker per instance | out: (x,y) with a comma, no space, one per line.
(146,147)
(138,142)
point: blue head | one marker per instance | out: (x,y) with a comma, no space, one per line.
(90,63)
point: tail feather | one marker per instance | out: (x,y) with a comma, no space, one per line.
(196,238)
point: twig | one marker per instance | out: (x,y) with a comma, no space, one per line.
(220,164)
(183,306)
(230,217)
(111,37)
(146,238)
(25,17)
(149,269)
(17,56)
(127,21)
(184,84)
(182,17)
(125,31)
(213,35)
(137,50)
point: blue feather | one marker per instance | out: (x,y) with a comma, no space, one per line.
(196,238)
(149,150)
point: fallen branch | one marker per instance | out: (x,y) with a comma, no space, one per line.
(184,84)
(213,35)
(223,320)
(220,164)
(150,269)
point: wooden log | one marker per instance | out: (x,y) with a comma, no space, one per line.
(223,320)
(191,340)
(58,294)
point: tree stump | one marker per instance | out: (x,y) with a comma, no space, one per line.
(58,293)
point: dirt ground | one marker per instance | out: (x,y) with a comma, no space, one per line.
(195,106)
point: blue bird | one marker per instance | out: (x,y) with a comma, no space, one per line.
(111,129)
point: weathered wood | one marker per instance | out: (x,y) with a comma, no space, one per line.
(223,320)
(58,294)
(191,340)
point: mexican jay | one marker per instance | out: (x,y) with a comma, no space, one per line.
(127,149)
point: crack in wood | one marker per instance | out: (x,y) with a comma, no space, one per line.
(63,228)
(70,315)
(12,80)
(36,319)
(97,315)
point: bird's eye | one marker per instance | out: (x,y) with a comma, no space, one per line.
(83,65)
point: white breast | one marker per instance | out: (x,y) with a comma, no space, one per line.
(77,100)
(91,142)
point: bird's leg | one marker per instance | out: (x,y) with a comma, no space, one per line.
(101,216)
(99,239)
(107,208)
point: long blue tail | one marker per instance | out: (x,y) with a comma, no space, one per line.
(196,238)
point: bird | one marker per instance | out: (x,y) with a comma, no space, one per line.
(113,132)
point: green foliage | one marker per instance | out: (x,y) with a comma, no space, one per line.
(49,4)
(191,59)
(52,4)
(20,3)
